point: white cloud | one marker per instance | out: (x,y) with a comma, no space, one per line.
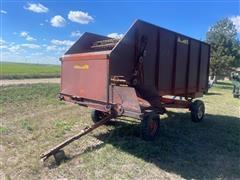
(37,8)
(3,47)
(236,22)
(62,42)
(31,46)
(3,44)
(37,54)
(59,46)
(3,12)
(2,41)
(28,52)
(79,17)
(14,48)
(76,34)
(58,21)
(29,38)
(57,49)
(25,35)
(51,48)
(115,35)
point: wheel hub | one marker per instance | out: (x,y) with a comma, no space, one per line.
(152,126)
(200,112)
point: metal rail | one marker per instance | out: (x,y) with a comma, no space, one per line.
(105,44)
(85,131)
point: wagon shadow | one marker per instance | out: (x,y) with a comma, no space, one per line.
(213,93)
(205,150)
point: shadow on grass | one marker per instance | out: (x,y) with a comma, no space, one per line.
(225,83)
(206,150)
(213,93)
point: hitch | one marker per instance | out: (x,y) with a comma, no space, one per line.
(59,154)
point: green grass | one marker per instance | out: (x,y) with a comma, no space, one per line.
(21,71)
(33,120)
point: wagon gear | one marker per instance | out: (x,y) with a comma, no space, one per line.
(135,76)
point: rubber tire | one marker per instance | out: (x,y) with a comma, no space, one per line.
(59,156)
(97,116)
(197,111)
(145,130)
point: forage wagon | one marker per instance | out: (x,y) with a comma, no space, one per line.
(137,76)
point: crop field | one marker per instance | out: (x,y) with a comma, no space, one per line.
(33,120)
(21,71)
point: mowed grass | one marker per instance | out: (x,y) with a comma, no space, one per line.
(33,120)
(22,70)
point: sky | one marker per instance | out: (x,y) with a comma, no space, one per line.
(41,31)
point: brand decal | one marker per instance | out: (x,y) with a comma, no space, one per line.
(83,66)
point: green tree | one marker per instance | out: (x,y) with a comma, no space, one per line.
(225,47)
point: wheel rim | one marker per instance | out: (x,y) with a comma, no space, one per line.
(152,126)
(200,112)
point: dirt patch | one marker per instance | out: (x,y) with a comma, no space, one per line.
(7,82)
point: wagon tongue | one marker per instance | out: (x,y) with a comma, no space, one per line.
(83,132)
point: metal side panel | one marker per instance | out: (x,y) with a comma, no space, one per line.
(126,97)
(85,78)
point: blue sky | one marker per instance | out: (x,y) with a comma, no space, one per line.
(41,31)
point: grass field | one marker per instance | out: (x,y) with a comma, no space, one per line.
(21,71)
(33,120)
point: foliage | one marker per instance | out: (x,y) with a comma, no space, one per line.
(225,47)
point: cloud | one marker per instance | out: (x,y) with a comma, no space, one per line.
(115,35)
(27,52)
(59,46)
(236,22)
(12,47)
(57,49)
(29,38)
(2,41)
(3,12)
(25,35)
(79,17)
(3,44)
(58,21)
(3,47)
(52,48)
(62,42)
(31,46)
(37,8)
(76,34)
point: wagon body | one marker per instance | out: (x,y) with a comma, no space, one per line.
(148,63)
(173,64)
